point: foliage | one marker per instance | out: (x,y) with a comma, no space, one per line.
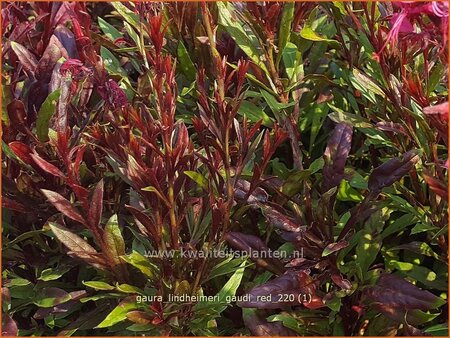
(134,132)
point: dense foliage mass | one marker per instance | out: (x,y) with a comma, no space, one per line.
(136,132)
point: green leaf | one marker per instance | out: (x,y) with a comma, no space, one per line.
(111,63)
(273,102)
(334,303)
(347,193)
(254,113)
(291,58)
(422,227)
(367,250)
(110,31)
(126,288)
(437,330)
(186,65)
(135,36)
(365,85)
(53,274)
(198,178)
(228,290)
(99,285)
(284,33)
(115,245)
(288,321)
(244,39)
(129,16)
(419,273)
(118,314)
(49,297)
(46,111)
(338,116)
(295,183)
(399,224)
(225,267)
(309,34)
(141,263)
(17,282)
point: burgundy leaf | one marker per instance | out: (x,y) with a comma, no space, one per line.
(336,154)
(340,281)
(396,292)
(146,222)
(63,205)
(17,114)
(46,166)
(279,220)
(27,59)
(52,54)
(256,249)
(9,326)
(439,187)
(257,195)
(13,205)
(96,207)
(392,127)
(391,171)
(333,247)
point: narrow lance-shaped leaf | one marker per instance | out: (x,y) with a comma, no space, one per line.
(256,249)
(95,210)
(78,247)
(46,166)
(119,313)
(146,222)
(25,57)
(45,113)
(115,245)
(63,205)
(392,171)
(73,242)
(336,154)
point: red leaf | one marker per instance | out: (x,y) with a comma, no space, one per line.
(63,205)
(95,210)
(22,151)
(437,186)
(145,220)
(13,205)
(27,59)
(17,114)
(46,166)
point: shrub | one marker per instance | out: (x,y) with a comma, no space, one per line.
(257,168)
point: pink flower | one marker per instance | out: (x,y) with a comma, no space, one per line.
(402,22)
